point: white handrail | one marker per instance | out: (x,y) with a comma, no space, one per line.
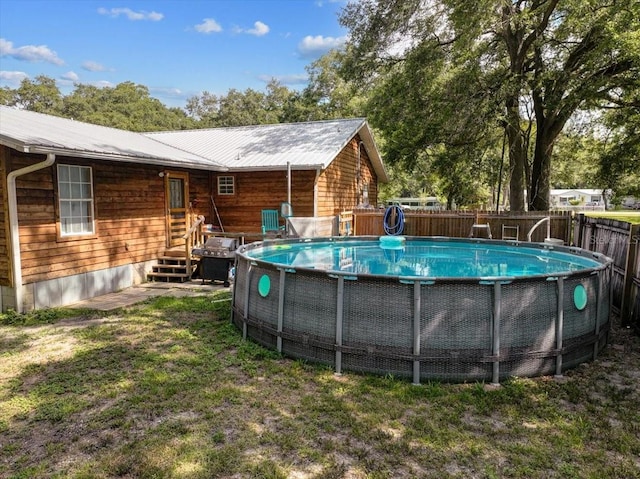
(534,227)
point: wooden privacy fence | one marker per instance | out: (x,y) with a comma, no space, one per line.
(458,224)
(621,242)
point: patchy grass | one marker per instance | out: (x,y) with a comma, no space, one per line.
(168,389)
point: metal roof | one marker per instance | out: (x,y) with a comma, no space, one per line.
(304,145)
(39,133)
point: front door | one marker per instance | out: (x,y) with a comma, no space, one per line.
(177,204)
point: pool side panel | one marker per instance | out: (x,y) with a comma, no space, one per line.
(455,321)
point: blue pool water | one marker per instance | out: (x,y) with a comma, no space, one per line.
(424,257)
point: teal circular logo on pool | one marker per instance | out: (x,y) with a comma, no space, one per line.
(264,285)
(580,297)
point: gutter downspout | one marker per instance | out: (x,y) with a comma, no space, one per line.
(14,225)
(315,193)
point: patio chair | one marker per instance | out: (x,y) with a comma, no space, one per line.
(271,223)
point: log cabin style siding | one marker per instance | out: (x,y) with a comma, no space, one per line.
(142,186)
(340,185)
(255,191)
(130,224)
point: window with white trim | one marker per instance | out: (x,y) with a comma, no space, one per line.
(75,197)
(226,185)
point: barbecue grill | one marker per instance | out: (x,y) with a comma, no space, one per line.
(217,256)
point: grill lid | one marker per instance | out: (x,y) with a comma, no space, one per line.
(220,243)
(216,246)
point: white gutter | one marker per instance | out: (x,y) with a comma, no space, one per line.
(315,193)
(14,226)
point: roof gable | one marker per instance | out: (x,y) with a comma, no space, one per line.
(304,145)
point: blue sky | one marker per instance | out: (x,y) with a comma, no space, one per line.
(176,48)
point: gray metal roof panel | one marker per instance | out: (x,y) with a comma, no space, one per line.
(263,146)
(36,132)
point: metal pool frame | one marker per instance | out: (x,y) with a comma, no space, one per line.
(446,329)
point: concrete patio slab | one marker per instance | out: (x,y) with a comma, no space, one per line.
(141,292)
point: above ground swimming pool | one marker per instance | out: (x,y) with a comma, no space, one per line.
(425,308)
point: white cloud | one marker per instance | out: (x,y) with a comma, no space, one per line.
(29,53)
(93,66)
(259,29)
(13,78)
(298,79)
(172,92)
(131,15)
(70,76)
(311,46)
(208,25)
(102,84)
(320,3)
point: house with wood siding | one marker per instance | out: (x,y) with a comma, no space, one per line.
(88,210)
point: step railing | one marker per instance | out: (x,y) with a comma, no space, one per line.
(192,238)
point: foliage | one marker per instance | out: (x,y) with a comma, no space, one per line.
(126,106)
(449,71)
(619,165)
(237,108)
(576,160)
(41,95)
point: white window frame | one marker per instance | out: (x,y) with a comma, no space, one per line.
(75,200)
(226,185)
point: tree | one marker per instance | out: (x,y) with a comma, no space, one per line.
(619,166)
(492,61)
(41,95)
(127,106)
(237,108)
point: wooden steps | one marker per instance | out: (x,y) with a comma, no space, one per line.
(172,268)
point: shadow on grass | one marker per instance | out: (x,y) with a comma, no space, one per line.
(169,389)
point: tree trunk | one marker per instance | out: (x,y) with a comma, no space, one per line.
(540,175)
(517,158)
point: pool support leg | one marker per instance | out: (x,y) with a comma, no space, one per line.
(246,302)
(416,331)
(339,314)
(559,326)
(280,310)
(495,347)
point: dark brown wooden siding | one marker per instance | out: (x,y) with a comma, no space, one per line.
(129,211)
(255,191)
(338,185)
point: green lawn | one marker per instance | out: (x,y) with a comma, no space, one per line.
(168,389)
(628,216)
